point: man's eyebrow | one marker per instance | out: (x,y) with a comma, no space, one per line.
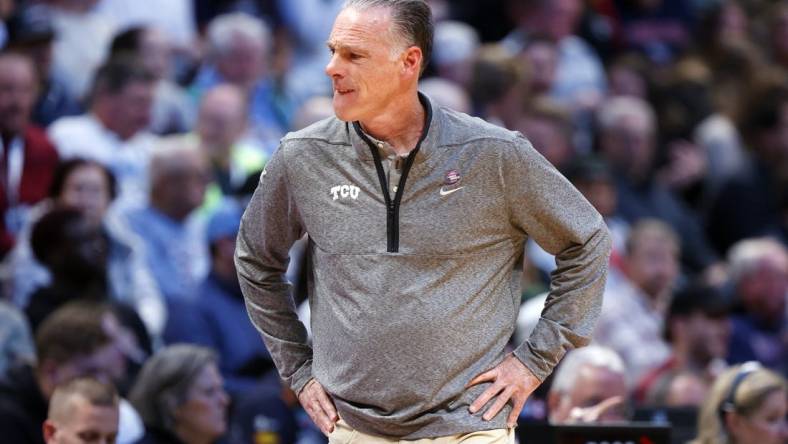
(334,46)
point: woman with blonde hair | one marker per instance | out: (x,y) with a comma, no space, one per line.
(747,404)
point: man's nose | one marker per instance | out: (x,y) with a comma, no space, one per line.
(332,68)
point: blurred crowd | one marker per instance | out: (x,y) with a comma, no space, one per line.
(133,132)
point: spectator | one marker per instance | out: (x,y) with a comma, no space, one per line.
(113,132)
(180,397)
(589,386)
(548,126)
(454,50)
(747,405)
(627,141)
(217,316)
(174,245)
(171,111)
(759,275)
(633,311)
(82,410)
(750,203)
(75,253)
(90,188)
(239,52)
(74,342)
(28,157)
(541,55)
(498,85)
(30,32)
(82,37)
(221,133)
(580,82)
(697,327)
(307,22)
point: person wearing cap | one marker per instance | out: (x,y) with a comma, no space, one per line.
(27,157)
(30,32)
(217,317)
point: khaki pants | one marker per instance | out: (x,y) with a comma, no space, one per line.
(344,434)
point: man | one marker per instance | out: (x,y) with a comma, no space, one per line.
(759,275)
(239,52)
(697,325)
(416,217)
(628,142)
(75,341)
(589,386)
(31,32)
(82,411)
(113,133)
(221,134)
(173,244)
(27,157)
(635,303)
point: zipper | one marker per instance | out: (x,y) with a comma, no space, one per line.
(392,205)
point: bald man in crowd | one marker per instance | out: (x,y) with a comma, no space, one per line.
(82,411)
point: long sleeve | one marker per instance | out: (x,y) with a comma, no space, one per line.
(546,207)
(269,227)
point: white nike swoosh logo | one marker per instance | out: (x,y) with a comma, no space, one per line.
(447,192)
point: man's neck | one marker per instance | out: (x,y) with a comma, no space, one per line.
(401,128)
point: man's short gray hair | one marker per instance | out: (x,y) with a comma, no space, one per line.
(745,256)
(612,111)
(412,20)
(592,355)
(223,30)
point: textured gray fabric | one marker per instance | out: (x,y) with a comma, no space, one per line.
(397,336)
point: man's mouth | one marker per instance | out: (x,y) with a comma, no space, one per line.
(343,91)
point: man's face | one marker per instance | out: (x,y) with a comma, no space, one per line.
(221,121)
(653,265)
(84,423)
(131,108)
(629,147)
(708,336)
(365,68)
(243,63)
(764,291)
(17,93)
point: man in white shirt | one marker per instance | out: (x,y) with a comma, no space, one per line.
(113,131)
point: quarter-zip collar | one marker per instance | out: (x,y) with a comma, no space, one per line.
(429,135)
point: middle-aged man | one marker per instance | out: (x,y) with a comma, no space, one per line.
(417,217)
(82,411)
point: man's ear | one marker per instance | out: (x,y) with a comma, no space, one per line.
(49,429)
(413,60)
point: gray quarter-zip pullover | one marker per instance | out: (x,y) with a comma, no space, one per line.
(411,299)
